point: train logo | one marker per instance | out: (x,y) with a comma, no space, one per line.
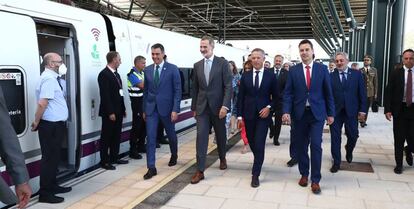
(96,33)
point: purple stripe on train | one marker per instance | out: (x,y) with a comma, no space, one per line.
(87,149)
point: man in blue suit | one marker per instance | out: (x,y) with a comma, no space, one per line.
(308,101)
(350,105)
(257,87)
(162,96)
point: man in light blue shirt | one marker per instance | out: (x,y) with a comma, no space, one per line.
(50,118)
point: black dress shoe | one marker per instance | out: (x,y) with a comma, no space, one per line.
(121,161)
(398,170)
(136,156)
(255,181)
(108,166)
(49,198)
(276,142)
(334,168)
(271,135)
(408,156)
(173,160)
(60,190)
(150,173)
(292,162)
(163,141)
(348,156)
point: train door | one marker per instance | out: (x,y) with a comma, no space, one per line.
(60,38)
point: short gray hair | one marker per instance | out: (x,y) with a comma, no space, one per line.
(344,54)
(210,40)
(259,50)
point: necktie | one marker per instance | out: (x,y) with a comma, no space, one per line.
(343,79)
(157,75)
(256,80)
(409,89)
(277,73)
(308,79)
(118,79)
(207,68)
(58,80)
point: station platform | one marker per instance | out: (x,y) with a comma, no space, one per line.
(230,188)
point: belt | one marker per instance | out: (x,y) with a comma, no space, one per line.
(307,107)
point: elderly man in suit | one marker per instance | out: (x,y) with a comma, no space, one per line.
(162,97)
(257,96)
(211,97)
(112,111)
(13,157)
(308,101)
(398,103)
(371,83)
(350,105)
(281,75)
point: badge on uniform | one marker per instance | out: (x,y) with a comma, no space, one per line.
(121,92)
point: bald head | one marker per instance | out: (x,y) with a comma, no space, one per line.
(52,61)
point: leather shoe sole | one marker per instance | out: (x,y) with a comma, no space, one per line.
(50,199)
(292,162)
(398,170)
(150,173)
(108,166)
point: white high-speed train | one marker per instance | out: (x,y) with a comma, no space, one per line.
(29,29)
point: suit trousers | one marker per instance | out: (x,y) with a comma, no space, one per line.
(292,145)
(256,131)
(276,125)
(50,138)
(351,132)
(138,132)
(370,100)
(308,131)
(152,127)
(110,139)
(403,127)
(203,127)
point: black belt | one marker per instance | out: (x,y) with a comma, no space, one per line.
(46,121)
(307,108)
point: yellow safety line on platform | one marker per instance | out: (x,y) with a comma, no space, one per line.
(167,179)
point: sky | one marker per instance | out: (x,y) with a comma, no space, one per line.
(289,48)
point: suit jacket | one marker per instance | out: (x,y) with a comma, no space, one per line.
(219,90)
(111,101)
(319,96)
(250,101)
(371,81)
(394,94)
(281,83)
(167,95)
(11,154)
(352,97)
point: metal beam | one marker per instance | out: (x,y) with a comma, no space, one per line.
(145,12)
(348,13)
(334,14)
(327,22)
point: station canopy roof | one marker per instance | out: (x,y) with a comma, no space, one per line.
(239,19)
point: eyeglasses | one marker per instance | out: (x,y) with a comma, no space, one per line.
(367,60)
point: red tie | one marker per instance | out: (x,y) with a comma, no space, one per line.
(409,89)
(308,81)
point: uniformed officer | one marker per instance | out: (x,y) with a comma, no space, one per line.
(135,90)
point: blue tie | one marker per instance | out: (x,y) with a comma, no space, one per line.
(256,80)
(157,75)
(343,78)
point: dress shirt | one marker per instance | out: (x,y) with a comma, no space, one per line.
(260,75)
(159,69)
(49,88)
(346,74)
(304,73)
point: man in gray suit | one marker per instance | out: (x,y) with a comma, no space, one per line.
(11,154)
(212,92)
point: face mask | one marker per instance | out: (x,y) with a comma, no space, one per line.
(62,69)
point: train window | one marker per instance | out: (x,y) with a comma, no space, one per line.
(12,83)
(185,74)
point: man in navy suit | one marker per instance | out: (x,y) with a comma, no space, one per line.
(162,96)
(308,101)
(257,88)
(350,105)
